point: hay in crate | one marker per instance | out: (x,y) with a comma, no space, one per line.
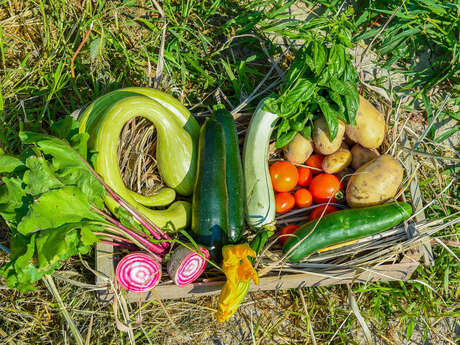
(390,255)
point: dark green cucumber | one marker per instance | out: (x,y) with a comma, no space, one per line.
(209,203)
(234,175)
(343,226)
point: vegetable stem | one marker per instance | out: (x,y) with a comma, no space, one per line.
(159,234)
(146,243)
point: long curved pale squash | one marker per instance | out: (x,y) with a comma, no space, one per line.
(260,198)
(176,155)
(92,116)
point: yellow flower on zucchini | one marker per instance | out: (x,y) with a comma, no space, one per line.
(239,271)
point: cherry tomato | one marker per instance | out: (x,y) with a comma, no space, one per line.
(304,176)
(303,198)
(315,161)
(323,187)
(317,212)
(284,202)
(288,229)
(284,176)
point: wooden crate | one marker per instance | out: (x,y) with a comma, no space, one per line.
(106,262)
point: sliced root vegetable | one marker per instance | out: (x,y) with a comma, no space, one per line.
(185,265)
(138,272)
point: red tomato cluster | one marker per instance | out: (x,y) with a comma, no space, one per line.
(302,186)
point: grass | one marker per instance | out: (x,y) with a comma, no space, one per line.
(212,48)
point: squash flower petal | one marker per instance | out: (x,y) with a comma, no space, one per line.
(239,271)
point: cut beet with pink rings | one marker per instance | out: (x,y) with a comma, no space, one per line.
(138,272)
(185,265)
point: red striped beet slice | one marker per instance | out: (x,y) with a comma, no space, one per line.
(185,266)
(138,272)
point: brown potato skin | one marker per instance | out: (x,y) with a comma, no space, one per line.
(375,182)
(337,161)
(369,130)
(298,150)
(362,155)
(321,137)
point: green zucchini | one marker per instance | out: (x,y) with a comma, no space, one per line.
(234,175)
(343,226)
(260,198)
(210,197)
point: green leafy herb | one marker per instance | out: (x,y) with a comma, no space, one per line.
(321,81)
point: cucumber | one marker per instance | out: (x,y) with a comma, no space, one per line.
(260,198)
(210,198)
(234,175)
(343,226)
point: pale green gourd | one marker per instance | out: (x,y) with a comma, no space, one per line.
(92,116)
(176,152)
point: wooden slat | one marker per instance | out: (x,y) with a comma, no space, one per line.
(403,271)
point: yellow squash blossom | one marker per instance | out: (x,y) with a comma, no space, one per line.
(239,271)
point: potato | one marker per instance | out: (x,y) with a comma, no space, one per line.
(337,161)
(361,155)
(321,137)
(369,130)
(375,182)
(298,150)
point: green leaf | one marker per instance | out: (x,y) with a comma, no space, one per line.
(283,127)
(272,104)
(340,50)
(352,105)
(39,178)
(333,61)
(13,200)
(298,123)
(306,132)
(447,134)
(9,164)
(337,99)
(88,238)
(319,57)
(56,245)
(20,272)
(65,128)
(56,208)
(339,86)
(410,329)
(345,39)
(301,92)
(330,116)
(69,167)
(298,66)
(285,139)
